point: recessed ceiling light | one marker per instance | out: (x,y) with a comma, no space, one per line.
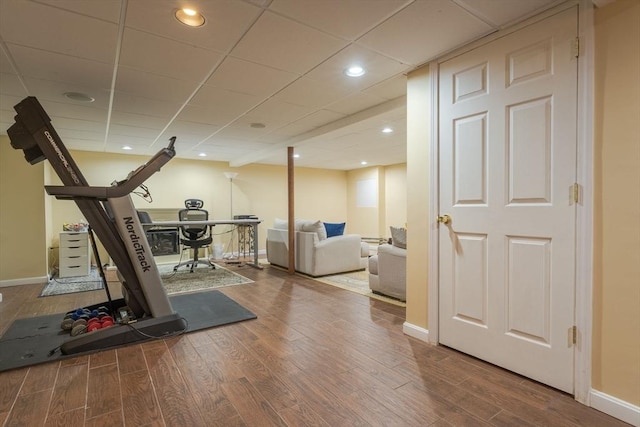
(202,155)
(126,147)
(79,97)
(258,125)
(387,130)
(296,156)
(355,71)
(363,162)
(190,17)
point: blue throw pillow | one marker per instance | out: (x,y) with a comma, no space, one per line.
(334,229)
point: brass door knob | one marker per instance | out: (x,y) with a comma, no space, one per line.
(444,219)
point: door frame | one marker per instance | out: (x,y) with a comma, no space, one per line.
(584,176)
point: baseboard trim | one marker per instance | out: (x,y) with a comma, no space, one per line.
(615,407)
(415,331)
(25,281)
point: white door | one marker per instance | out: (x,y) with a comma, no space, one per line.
(507,168)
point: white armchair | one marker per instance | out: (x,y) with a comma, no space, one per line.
(388,272)
(316,257)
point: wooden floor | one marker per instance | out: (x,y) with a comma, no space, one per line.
(315,356)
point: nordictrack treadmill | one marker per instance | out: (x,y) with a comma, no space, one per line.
(112,216)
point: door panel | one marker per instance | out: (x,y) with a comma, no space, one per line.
(507,162)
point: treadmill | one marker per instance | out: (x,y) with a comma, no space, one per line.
(145,311)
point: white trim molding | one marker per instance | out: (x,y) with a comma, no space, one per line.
(416,332)
(615,407)
(26,281)
(584,213)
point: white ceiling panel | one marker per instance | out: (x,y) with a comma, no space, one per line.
(83,36)
(423,30)
(248,77)
(226,21)
(343,18)
(502,12)
(44,65)
(146,85)
(389,89)
(378,67)
(127,103)
(107,10)
(286,45)
(11,85)
(278,62)
(355,103)
(167,57)
(311,93)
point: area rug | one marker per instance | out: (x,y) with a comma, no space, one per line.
(357,281)
(36,339)
(203,277)
(70,285)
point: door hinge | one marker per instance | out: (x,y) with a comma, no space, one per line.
(575,47)
(573,335)
(574,193)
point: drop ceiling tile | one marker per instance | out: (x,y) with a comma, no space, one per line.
(144,84)
(378,67)
(56,67)
(311,93)
(503,12)
(5,64)
(389,89)
(248,77)
(226,21)
(182,129)
(54,91)
(10,85)
(217,106)
(83,36)
(285,44)
(355,103)
(344,18)
(424,30)
(142,120)
(134,131)
(126,103)
(74,134)
(105,10)
(73,111)
(308,123)
(274,114)
(147,52)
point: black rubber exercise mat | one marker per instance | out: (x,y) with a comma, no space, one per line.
(29,341)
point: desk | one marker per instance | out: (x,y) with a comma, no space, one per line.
(253,223)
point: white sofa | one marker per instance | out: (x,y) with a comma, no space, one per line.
(317,256)
(388,269)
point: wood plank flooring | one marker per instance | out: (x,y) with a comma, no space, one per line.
(315,356)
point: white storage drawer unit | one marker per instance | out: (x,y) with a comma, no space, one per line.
(75,256)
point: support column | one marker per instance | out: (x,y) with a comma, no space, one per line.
(291,217)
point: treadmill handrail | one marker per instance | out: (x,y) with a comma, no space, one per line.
(133,181)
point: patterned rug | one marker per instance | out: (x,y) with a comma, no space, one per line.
(203,277)
(181,281)
(357,281)
(70,285)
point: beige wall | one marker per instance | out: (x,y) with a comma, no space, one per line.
(22,222)
(395,191)
(418,167)
(616,296)
(390,207)
(258,189)
(365,220)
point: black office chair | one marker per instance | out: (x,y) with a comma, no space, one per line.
(194,236)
